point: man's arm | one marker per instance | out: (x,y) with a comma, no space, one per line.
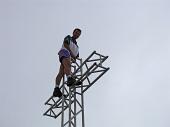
(77,56)
(68,48)
(66,45)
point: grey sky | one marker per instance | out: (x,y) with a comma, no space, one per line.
(134,33)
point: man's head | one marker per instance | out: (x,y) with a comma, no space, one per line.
(76,33)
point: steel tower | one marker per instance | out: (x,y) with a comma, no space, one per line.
(70,107)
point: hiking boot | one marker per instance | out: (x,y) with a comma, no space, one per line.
(70,81)
(57,92)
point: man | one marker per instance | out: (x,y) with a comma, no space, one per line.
(68,52)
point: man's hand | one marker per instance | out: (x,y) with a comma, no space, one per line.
(73,59)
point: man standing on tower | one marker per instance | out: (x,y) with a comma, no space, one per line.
(69,52)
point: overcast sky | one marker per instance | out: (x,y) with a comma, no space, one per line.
(135,34)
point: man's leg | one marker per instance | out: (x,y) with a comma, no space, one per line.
(67,70)
(57,92)
(67,66)
(59,76)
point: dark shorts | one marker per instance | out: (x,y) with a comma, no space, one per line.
(63,53)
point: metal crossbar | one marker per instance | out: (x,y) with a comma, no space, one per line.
(71,104)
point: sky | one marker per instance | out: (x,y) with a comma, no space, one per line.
(135,34)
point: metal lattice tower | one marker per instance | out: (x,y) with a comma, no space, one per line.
(71,105)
